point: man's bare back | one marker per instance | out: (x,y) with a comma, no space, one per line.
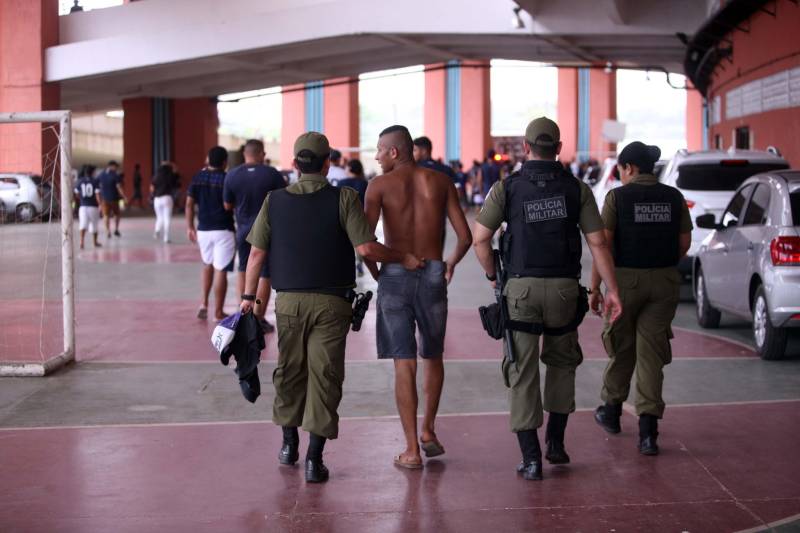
(414,204)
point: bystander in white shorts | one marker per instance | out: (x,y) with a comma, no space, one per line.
(217,247)
(89,218)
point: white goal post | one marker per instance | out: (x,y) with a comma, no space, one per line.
(64,119)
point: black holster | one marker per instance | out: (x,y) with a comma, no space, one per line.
(492,320)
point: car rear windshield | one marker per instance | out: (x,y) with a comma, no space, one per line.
(721,176)
(794,198)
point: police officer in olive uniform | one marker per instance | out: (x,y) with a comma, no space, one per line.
(546,209)
(307,232)
(650,228)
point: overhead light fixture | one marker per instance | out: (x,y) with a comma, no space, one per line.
(516,21)
(609,67)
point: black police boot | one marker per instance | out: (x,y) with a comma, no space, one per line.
(554,438)
(648,433)
(289,453)
(531,465)
(316,472)
(607,416)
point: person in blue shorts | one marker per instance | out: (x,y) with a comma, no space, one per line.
(110,194)
(246,187)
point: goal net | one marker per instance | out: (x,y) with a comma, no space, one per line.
(37,307)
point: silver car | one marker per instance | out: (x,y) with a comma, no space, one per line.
(749,265)
(21,196)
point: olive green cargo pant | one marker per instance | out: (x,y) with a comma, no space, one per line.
(312,329)
(639,339)
(551,301)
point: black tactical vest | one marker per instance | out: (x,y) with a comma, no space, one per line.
(648,225)
(308,247)
(542,240)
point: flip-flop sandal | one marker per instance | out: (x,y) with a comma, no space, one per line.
(202,313)
(406,464)
(432,448)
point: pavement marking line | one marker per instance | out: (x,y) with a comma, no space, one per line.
(733,403)
(722,485)
(717,337)
(628,408)
(781,522)
(631,409)
(388,362)
(242,422)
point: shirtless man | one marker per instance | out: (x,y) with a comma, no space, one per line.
(414,202)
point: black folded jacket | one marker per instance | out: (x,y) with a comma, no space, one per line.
(246,346)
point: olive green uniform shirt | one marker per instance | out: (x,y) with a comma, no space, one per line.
(351,213)
(610,206)
(493,213)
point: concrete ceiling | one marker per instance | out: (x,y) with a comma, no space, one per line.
(188,48)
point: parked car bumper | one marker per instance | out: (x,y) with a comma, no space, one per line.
(783,296)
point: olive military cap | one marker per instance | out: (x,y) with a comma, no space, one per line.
(543,132)
(314,142)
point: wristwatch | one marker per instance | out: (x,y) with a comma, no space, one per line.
(249,297)
(491,278)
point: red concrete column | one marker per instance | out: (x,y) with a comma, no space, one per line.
(567,112)
(137,141)
(27,28)
(602,107)
(435,108)
(694,120)
(341,114)
(194,131)
(293,122)
(476,111)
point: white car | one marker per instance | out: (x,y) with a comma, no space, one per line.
(708,180)
(750,263)
(20,197)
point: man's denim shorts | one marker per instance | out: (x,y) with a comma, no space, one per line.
(409,300)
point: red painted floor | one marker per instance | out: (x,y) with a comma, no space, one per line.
(715,473)
(144,330)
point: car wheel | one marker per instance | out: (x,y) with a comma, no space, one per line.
(770,341)
(707,316)
(25,213)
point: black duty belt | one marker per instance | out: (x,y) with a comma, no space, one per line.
(347,294)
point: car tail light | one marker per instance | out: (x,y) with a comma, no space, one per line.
(785,251)
(690,203)
(734,162)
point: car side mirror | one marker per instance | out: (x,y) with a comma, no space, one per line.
(706,221)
